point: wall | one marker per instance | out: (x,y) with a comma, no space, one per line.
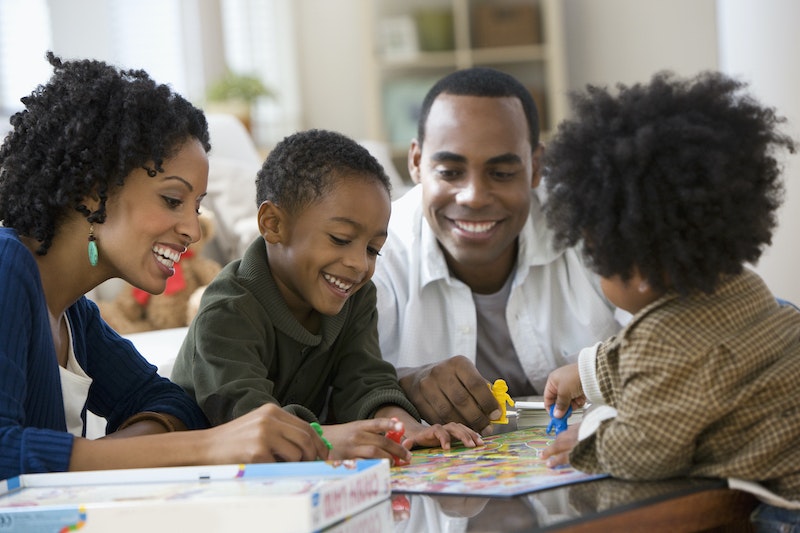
(333,48)
(607,41)
(758,43)
(628,40)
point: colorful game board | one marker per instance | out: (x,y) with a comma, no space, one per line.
(507,465)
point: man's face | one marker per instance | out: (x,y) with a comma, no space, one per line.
(476,168)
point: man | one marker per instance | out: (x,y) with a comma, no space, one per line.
(470,288)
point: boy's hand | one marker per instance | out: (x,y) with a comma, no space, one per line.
(557,453)
(440,435)
(366,439)
(563,388)
(264,435)
(452,391)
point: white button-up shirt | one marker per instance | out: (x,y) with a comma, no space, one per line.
(426,315)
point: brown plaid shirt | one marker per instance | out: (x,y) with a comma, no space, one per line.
(704,386)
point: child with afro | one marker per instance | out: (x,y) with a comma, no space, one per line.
(294,322)
(672,188)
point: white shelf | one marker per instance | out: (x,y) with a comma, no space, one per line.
(403,72)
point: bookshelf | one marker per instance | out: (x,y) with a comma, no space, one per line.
(415,42)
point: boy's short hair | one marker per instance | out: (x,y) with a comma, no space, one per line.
(304,166)
(675,177)
(487,82)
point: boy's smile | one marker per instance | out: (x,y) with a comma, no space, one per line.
(324,253)
(339,285)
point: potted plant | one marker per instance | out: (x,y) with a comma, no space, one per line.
(235,94)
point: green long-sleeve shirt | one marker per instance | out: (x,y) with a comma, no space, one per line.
(245,348)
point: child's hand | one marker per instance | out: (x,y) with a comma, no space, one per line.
(558,452)
(563,388)
(440,435)
(365,439)
(264,435)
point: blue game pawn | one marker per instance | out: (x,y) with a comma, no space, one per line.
(558,424)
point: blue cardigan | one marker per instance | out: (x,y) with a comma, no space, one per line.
(33,432)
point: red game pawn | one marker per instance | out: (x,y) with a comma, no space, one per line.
(401,507)
(397,436)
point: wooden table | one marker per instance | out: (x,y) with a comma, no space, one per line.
(604,506)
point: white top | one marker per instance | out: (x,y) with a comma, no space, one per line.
(495,357)
(75,385)
(425,315)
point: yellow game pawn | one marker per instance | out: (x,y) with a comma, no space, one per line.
(500,391)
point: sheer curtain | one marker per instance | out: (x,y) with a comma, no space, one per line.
(159,36)
(185,43)
(260,38)
(24,36)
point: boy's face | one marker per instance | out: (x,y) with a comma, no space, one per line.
(327,251)
(476,168)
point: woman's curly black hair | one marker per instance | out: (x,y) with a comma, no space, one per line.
(676,178)
(82,133)
(305,166)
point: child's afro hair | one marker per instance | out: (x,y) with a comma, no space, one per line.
(676,178)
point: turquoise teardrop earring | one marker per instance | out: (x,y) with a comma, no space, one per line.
(92,247)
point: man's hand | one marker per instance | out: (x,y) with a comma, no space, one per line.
(452,391)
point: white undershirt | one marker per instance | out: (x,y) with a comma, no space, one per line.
(496,357)
(74,388)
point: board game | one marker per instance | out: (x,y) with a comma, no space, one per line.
(508,464)
(287,497)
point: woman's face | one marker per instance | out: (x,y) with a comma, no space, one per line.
(151,220)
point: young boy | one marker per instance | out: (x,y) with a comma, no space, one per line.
(294,321)
(673,187)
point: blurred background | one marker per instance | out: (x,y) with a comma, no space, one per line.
(362,66)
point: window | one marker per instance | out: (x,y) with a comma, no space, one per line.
(167,38)
(154,35)
(260,39)
(24,38)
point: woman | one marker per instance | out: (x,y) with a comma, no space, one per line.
(102,177)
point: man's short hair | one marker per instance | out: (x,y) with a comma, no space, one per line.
(482,81)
